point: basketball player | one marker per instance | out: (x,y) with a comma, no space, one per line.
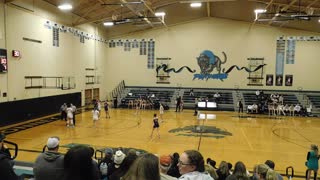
(69,111)
(161,109)
(106,108)
(95,116)
(155,125)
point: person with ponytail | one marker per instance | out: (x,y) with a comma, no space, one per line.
(312,161)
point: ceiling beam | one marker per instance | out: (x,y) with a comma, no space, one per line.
(283,9)
(268,5)
(282,4)
(135,12)
(97,19)
(89,10)
(8,1)
(289,5)
(153,13)
(106,17)
(312,3)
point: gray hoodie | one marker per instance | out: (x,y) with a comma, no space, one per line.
(195,175)
(48,166)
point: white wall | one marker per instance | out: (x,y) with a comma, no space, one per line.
(183,43)
(42,59)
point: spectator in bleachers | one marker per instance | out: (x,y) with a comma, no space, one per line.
(191,92)
(297,109)
(191,166)
(145,167)
(230,167)
(211,171)
(49,164)
(309,110)
(281,99)
(217,96)
(291,109)
(286,109)
(106,162)
(239,173)
(3,148)
(252,108)
(272,165)
(212,163)
(272,109)
(78,164)
(165,163)
(257,93)
(280,109)
(223,170)
(174,170)
(118,158)
(255,175)
(264,172)
(125,165)
(6,164)
(313,161)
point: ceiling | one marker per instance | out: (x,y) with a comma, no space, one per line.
(141,15)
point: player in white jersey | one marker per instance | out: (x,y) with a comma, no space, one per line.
(95,116)
(69,111)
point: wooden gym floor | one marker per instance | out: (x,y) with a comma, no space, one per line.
(252,138)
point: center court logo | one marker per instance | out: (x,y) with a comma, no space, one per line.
(207,131)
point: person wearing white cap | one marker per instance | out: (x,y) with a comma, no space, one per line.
(117,161)
(49,164)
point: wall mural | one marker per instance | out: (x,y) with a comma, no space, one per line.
(164,67)
(208,62)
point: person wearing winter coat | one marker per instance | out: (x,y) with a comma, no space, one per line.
(49,164)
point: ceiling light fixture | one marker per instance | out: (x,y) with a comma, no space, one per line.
(108,23)
(196,5)
(65,7)
(258,11)
(160,14)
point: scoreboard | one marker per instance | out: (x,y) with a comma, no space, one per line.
(3,60)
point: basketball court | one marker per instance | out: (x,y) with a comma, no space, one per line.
(250,138)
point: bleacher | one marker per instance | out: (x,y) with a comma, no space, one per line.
(160,95)
(290,99)
(251,98)
(224,102)
(314,99)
